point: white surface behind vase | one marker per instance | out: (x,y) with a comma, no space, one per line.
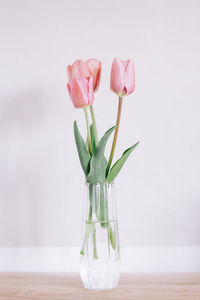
(158,189)
(66,259)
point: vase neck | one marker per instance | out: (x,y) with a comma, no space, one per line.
(99,202)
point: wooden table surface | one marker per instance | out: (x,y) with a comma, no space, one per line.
(59,286)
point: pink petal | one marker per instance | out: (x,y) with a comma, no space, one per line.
(90,91)
(69,88)
(80,69)
(78,92)
(117,76)
(130,77)
(125,62)
(69,72)
(95,68)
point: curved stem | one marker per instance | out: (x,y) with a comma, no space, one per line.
(115,135)
(94,124)
(88,129)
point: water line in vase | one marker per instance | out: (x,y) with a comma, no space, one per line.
(98,201)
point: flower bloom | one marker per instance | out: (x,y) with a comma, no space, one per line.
(81,91)
(79,69)
(122,79)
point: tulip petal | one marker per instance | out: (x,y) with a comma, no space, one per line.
(90,91)
(69,88)
(117,76)
(78,92)
(95,68)
(129,77)
(69,72)
(98,79)
(81,91)
(125,62)
(79,69)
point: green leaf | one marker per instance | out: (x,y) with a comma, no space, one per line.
(119,164)
(83,153)
(98,162)
(92,138)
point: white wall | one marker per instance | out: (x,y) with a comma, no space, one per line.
(40,177)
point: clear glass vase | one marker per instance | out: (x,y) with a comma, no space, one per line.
(100,251)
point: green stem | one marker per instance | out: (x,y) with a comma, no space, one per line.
(108,235)
(87,232)
(94,241)
(88,129)
(115,135)
(94,124)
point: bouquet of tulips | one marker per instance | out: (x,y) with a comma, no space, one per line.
(84,79)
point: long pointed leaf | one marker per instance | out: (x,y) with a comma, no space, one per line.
(98,162)
(119,164)
(83,153)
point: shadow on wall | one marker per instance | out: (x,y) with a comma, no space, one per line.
(22,127)
(25,109)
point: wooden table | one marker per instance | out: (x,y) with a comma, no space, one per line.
(59,286)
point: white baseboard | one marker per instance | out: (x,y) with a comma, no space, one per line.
(66,259)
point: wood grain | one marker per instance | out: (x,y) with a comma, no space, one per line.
(59,286)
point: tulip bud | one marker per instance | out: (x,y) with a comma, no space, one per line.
(81,91)
(122,79)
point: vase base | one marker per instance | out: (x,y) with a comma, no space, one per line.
(103,289)
(99,274)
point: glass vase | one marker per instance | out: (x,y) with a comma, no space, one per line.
(100,251)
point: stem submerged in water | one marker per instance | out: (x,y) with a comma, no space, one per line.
(94,241)
(87,231)
(90,226)
(98,200)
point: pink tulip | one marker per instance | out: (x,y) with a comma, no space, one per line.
(122,79)
(81,91)
(79,69)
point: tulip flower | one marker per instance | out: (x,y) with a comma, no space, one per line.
(122,82)
(82,95)
(122,79)
(81,91)
(79,69)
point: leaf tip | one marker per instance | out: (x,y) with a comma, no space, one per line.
(75,124)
